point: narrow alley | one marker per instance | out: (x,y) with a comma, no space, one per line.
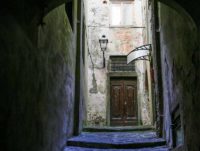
(99,75)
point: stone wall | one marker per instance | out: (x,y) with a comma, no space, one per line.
(179,39)
(121,42)
(37,78)
(56,45)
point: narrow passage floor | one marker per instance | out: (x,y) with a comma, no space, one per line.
(117,141)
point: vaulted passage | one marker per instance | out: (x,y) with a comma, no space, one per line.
(65,84)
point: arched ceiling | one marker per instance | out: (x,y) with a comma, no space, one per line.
(191,7)
(42,7)
(27,10)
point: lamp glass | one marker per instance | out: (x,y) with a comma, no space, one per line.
(103,44)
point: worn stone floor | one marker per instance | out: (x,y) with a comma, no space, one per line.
(93,149)
(116,141)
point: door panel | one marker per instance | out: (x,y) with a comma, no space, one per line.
(123,102)
(130,100)
(117,107)
(116,101)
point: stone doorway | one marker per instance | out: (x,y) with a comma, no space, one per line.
(123,102)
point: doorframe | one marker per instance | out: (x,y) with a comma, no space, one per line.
(158,89)
(125,75)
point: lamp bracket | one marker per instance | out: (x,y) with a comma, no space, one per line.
(140,53)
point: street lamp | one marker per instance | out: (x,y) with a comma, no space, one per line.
(103,41)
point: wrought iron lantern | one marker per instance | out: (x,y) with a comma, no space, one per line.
(103,41)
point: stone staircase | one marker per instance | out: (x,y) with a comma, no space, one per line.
(117,139)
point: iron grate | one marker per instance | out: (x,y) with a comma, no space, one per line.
(119,63)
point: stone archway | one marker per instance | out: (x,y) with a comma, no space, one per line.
(177,34)
(38,74)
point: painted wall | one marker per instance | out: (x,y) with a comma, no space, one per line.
(179,39)
(121,42)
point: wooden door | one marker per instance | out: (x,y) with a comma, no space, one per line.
(123,102)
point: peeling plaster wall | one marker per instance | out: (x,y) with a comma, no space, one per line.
(180,73)
(121,42)
(147,39)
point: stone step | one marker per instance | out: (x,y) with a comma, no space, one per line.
(118,129)
(116,140)
(71,148)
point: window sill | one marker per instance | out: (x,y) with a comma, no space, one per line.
(126,26)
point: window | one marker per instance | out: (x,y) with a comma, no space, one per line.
(121,13)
